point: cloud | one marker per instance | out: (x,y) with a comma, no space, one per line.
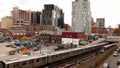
(23,1)
(1,4)
(108,9)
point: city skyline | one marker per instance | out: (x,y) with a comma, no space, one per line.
(107,9)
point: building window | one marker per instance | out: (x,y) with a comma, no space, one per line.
(14,34)
(17,33)
(34,29)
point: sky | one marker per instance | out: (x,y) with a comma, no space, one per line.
(108,9)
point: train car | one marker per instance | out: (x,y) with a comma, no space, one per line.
(106,47)
(26,62)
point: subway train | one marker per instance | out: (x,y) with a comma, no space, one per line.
(106,47)
(35,61)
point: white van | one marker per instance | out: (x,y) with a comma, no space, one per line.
(105,65)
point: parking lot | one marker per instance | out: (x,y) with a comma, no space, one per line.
(5,50)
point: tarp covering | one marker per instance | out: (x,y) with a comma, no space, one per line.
(19,43)
(25,38)
(83,42)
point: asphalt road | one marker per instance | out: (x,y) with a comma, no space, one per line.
(113,61)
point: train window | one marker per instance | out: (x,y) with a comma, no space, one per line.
(56,56)
(67,53)
(60,55)
(43,59)
(31,61)
(37,60)
(7,66)
(24,63)
(63,54)
(53,56)
(15,65)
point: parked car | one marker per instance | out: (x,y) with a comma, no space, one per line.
(118,62)
(105,65)
(118,50)
(115,54)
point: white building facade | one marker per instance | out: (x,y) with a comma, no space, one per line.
(81,16)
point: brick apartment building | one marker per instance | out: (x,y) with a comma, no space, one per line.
(21,16)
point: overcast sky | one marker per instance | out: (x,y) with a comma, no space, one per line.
(108,9)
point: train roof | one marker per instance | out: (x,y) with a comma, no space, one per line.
(106,46)
(30,57)
(67,50)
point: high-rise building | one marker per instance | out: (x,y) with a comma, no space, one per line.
(118,25)
(52,15)
(6,22)
(100,23)
(36,17)
(81,16)
(21,16)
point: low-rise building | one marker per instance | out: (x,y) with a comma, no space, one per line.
(6,22)
(47,38)
(99,31)
(40,29)
(72,37)
(17,34)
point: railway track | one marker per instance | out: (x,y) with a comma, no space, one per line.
(76,61)
(71,62)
